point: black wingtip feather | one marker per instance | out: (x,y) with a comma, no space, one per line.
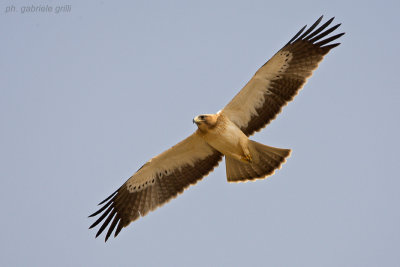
(311,28)
(330,39)
(119,228)
(110,196)
(325,33)
(102,208)
(106,222)
(320,29)
(329,47)
(102,217)
(297,34)
(315,36)
(112,227)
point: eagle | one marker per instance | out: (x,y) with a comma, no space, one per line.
(224,134)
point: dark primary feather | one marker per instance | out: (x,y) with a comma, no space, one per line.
(307,50)
(122,207)
(309,29)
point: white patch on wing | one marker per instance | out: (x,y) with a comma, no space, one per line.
(277,64)
(187,152)
(243,106)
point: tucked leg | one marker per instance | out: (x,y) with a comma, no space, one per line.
(246,152)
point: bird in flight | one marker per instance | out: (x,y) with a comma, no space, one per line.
(225,133)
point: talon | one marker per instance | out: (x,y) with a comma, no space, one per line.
(247,158)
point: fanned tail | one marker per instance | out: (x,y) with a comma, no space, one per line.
(266,160)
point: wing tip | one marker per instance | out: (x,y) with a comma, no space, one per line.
(313,35)
(108,198)
(112,213)
(294,38)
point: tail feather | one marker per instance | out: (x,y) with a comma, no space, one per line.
(266,160)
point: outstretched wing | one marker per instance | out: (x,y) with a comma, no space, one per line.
(156,182)
(278,81)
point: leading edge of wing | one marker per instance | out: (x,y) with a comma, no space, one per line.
(155,185)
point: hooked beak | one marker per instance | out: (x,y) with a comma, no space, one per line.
(196,120)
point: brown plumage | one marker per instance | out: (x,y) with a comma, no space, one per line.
(223,134)
(298,58)
(123,207)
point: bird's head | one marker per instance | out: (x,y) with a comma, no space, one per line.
(206,121)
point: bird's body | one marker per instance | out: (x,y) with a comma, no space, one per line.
(224,134)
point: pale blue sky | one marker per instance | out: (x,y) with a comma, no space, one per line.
(88,96)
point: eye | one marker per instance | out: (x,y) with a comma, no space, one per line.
(201,117)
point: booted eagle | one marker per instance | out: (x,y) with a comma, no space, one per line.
(225,133)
